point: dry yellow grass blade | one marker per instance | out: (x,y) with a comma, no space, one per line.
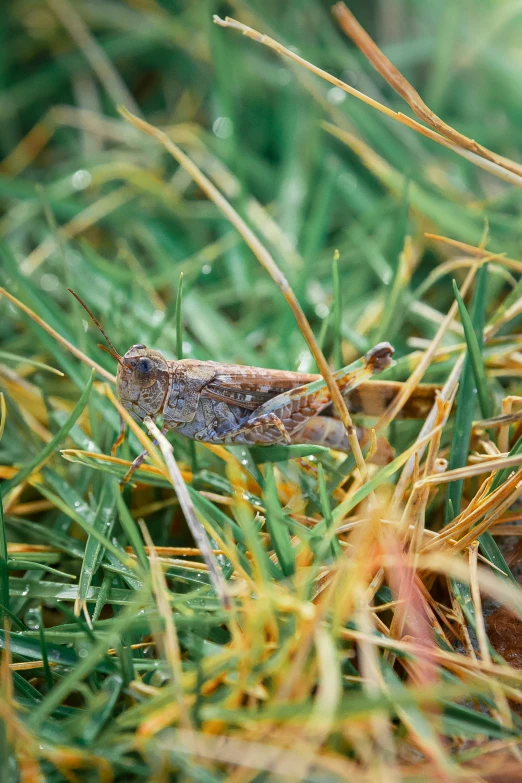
(3,414)
(172,551)
(487,466)
(493,166)
(395,79)
(167,639)
(476,251)
(453,661)
(267,261)
(73,454)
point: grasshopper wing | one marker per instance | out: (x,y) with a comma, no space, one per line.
(250,387)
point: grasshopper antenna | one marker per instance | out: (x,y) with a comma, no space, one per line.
(113,352)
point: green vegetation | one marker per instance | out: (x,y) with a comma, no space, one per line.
(354,642)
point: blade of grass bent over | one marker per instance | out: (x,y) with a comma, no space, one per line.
(267,261)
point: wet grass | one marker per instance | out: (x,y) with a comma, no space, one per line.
(351,638)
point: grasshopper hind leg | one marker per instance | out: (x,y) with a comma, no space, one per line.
(258,430)
(330,432)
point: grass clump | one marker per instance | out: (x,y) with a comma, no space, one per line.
(328,619)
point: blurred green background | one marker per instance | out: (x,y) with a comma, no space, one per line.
(132,221)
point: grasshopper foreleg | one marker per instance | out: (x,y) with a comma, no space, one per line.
(138,462)
(121,435)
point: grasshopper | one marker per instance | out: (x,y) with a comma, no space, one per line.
(212,402)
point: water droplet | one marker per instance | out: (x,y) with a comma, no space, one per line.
(187,347)
(322,310)
(32,618)
(81,179)
(206,269)
(303,361)
(49,282)
(223,127)
(83,652)
(335,95)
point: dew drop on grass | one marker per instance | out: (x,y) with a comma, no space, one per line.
(223,127)
(335,96)
(81,179)
(32,618)
(49,282)
(322,310)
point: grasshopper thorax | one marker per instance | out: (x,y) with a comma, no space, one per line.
(142,381)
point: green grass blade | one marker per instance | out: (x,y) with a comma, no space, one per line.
(94,550)
(276,527)
(337,314)
(282,453)
(45,659)
(131,531)
(179,324)
(4,569)
(473,334)
(49,448)
(331,538)
(465,403)
(83,667)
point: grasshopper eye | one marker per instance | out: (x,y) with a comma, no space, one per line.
(145,371)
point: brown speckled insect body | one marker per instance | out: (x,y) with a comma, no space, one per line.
(221,403)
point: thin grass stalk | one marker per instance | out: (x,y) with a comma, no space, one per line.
(58,337)
(395,79)
(190,514)
(497,168)
(268,262)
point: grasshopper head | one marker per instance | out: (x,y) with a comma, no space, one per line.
(142,381)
